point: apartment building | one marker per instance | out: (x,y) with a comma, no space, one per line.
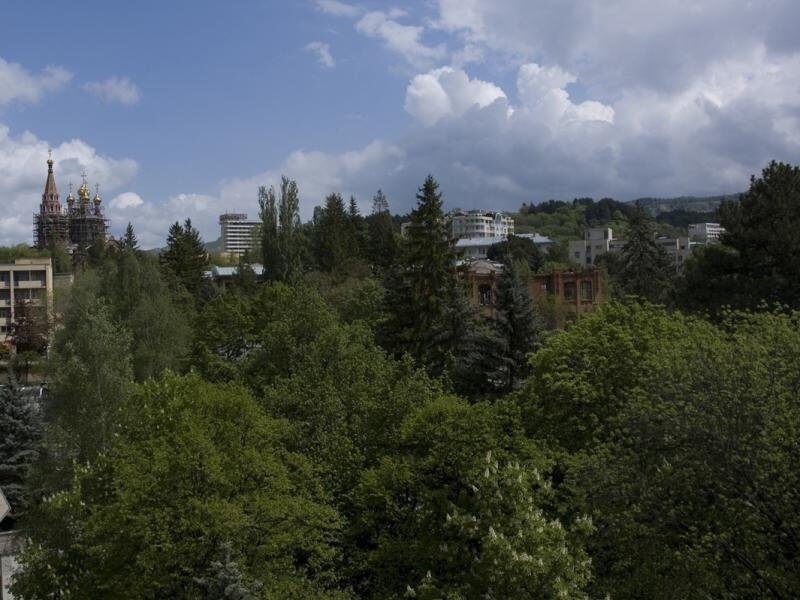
(480,224)
(238,233)
(705,232)
(28,281)
(596,242)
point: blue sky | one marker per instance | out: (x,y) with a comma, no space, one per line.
(182,108)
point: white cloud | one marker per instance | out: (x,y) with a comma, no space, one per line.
(338,9)
(405,40)
(18,84)
(125,201)
(447,92)
(115,89)
(323,53)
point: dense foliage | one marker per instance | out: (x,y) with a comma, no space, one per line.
(349,427)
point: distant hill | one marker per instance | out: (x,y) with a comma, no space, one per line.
(211,247)
(695,204)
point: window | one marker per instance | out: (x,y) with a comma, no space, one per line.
(586,290)
(577,255)
(569,290)
(485,294)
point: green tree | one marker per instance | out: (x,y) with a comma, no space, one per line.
(20,433)
(426,305)
(517,249)
(91,372)
(381,242)
(283,244)
(129,240)
(193,466)
(185,256)
(517,324)
(644,269)
(335,241)
(425,517)
(758,258)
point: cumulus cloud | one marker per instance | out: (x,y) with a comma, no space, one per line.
(338,9)
(323,53)
(115,89)
(17,84)
(447,92)
(405,40)
(23,171)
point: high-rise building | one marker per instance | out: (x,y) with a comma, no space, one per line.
(77,226)
(238,233)
(705,232)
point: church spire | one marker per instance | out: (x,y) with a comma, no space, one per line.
(50,203)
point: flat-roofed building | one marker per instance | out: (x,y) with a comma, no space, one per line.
(480,224)
(25,282)
(476,248)
(705,232)
(238,233)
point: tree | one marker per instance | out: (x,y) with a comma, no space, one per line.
(30,327)
(335,242)
(282,241)
(20,432)
(91,374)
(758,258)
(645,269)
(381,243)
(446,514)
(129,241)
(185,256)
(426,306)
(517,324)
(194,465)
(268,213)
(227,581)
(517,249)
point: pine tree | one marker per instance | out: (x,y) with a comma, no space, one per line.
(517,325)
(185,256)
(645,268)
(334,242)
(381,244)
(129,241)
(20,432)
(427,307)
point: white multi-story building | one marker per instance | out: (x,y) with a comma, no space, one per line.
(238,233)
(480,224)
(705,232)
(25,281)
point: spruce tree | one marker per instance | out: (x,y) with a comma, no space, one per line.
(334,240)
(517,325)
(645,269)
(129,241)
(20,432)
(185,256)
(427,307)
(381,243)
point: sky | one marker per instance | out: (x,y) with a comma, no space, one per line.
(183,108)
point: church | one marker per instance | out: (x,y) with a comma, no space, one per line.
(78,226)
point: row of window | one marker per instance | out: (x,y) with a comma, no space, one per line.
(485,294)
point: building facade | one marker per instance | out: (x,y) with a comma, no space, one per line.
(238,233)
(705,232)
(26,282)
(561,294)
(480,224)
(77,226)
